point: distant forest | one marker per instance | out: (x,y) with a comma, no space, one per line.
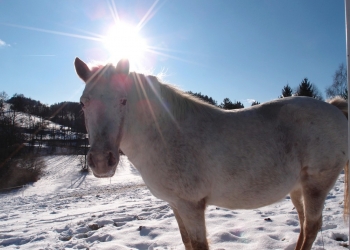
(64,113)
(25,128)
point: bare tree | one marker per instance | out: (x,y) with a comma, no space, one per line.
(339,85)
(3,98)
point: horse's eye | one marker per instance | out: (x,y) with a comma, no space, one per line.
(82,104)
(123,102)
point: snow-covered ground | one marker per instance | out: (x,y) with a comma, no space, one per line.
(70,210)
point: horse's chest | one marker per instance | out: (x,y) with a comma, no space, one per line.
(159,187)
(166,184)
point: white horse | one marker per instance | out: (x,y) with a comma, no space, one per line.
(192,154)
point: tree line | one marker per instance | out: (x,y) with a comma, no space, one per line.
(305,88)
(64,113)
(25,128)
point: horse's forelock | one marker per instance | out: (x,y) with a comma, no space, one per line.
(105,71)
(96,68)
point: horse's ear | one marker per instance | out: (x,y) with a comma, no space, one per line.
(123,66)
(82,69)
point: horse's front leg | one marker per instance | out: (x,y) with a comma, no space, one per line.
(191,220)
(184,235)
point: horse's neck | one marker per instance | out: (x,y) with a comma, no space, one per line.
(158,113)
(149,100)
(143,120)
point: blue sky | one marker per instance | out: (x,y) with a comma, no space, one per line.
(239,49)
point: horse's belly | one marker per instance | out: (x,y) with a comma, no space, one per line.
(246,202)
(250,197)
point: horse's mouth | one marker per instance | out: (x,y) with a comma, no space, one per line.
(103,165)
(105,175)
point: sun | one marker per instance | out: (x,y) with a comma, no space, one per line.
(123,41)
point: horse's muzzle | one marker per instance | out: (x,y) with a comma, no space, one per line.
(103,164)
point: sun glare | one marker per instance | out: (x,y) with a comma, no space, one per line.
(124,41)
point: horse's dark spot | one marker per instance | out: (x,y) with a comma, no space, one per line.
(288,148)
(123,101)
(343,152)
(201,204)
(271,110)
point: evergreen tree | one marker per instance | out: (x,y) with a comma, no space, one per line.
(255,103)
(227,104)
(286,91)
(17,102)
(306,88)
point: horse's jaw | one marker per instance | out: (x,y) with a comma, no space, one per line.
(103,164)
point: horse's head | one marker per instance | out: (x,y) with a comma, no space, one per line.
(104,105)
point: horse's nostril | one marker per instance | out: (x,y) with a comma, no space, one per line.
(111,160)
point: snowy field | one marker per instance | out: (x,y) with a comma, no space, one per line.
(70,210)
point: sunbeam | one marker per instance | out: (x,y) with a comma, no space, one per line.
(150,13)
(144,93)
(157,94)
(114,12)
(54,32)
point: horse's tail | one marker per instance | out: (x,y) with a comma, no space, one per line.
(342,104)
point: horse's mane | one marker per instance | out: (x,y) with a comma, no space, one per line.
(180,103)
